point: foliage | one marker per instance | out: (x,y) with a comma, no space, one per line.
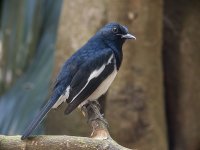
(28,31)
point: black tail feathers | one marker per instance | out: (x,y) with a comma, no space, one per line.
(38,118)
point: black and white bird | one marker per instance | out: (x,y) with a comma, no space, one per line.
(88,73)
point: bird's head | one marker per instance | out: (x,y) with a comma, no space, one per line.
(115,34)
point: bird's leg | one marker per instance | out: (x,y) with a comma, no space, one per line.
(91,106)
(96,108)
(99,125)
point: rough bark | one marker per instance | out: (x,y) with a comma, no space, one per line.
(57,142)
(181,67)
(135,105)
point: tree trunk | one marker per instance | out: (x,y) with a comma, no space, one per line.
(135,106)
(181,67)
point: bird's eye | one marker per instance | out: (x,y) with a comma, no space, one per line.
(115,30)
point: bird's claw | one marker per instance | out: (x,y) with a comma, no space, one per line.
(95,106)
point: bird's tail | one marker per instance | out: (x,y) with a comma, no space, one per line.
(38,118)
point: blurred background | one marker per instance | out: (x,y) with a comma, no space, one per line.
(153,104)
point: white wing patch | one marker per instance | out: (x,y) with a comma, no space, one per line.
(93,75)
(102,88)
(62,98)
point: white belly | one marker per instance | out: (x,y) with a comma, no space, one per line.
(101,89)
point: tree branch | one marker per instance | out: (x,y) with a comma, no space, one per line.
(57,143)
(100,137)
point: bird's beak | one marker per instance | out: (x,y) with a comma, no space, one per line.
(128,36)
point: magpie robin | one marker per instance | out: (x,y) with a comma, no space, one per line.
(88,73)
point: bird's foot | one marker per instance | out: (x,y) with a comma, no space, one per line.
(99,125)
(95,106)
(101,117)
(84,111)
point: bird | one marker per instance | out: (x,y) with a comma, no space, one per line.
(88,73)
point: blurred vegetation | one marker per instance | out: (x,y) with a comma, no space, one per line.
(28,36)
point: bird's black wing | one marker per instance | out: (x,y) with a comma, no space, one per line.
(90,75)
